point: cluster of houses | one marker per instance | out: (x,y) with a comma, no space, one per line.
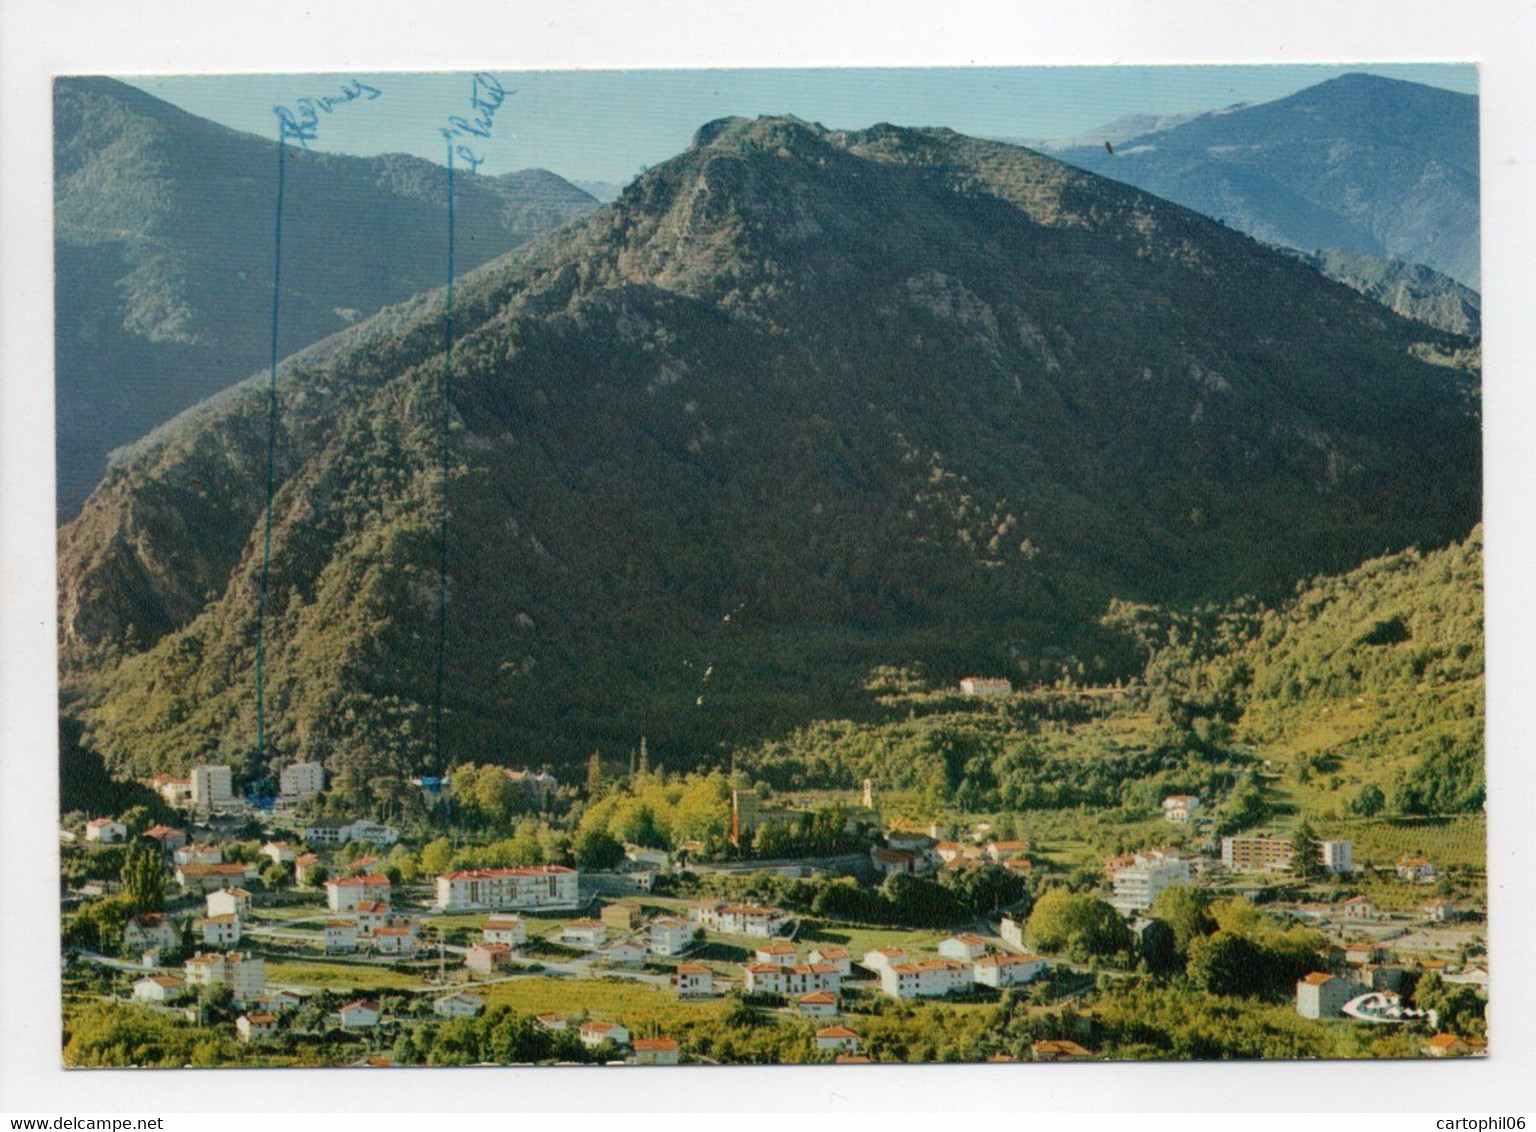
(909,851)
(964,962)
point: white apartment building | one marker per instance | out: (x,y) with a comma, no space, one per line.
(932,978)
(301,780)
(212,786)
(245,975)
(1137,885)
(531,886)
(1338,856)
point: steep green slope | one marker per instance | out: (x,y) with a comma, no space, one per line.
(799,403)
(164,239)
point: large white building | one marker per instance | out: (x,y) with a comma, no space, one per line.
(212,786)
(340,831)
(670,936)
(531,886)
(1338,856)
(301,780)
(1138,884)
(245,975)
(932,978)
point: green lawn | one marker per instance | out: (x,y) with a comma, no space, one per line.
(335,975)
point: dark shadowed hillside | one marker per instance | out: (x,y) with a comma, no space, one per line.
(799,403)
(1363,163)
(164,242)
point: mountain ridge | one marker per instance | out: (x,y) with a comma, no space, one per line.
(800,401)
(164,228)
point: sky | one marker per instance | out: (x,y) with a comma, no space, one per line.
(608,125)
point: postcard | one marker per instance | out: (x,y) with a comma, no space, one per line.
(766,567)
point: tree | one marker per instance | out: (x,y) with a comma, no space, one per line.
(598,850)
(1225,963)
(276,875)
(436,857)
(1306,861)
(1369,800)
(1077,925)
(143,877)
(1187,912)
(594,776)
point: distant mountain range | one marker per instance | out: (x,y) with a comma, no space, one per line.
(163,241)
(799,403)
(1364,164)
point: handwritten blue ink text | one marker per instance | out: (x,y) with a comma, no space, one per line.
(301,123)
(485,98)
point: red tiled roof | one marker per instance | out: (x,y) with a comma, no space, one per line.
(372,880)
(492,874)
(835,1032)
(654,1043)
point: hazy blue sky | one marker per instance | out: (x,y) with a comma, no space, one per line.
(605,125)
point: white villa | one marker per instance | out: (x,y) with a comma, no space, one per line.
(229,902)
(509,930)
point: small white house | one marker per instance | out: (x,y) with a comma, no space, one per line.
(624,953)
(595,1034)
(694,980)
(221,931)
(884,957)
(556,1023)
(460,1005)
(510,930)
(106,831)
(159,988)
(359,1015)
(781,954)
(834,956)
(964,947)
(655,1051)
(229,902)
(256,1027)
(1416,870)
(149,930)
(1008,970)
(837,1038)
(820,1004)
(1179,808)
(395,940)
(584,933)
(670,936)
(340,937)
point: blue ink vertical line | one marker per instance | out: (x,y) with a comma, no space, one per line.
(266,538)
(442,534)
